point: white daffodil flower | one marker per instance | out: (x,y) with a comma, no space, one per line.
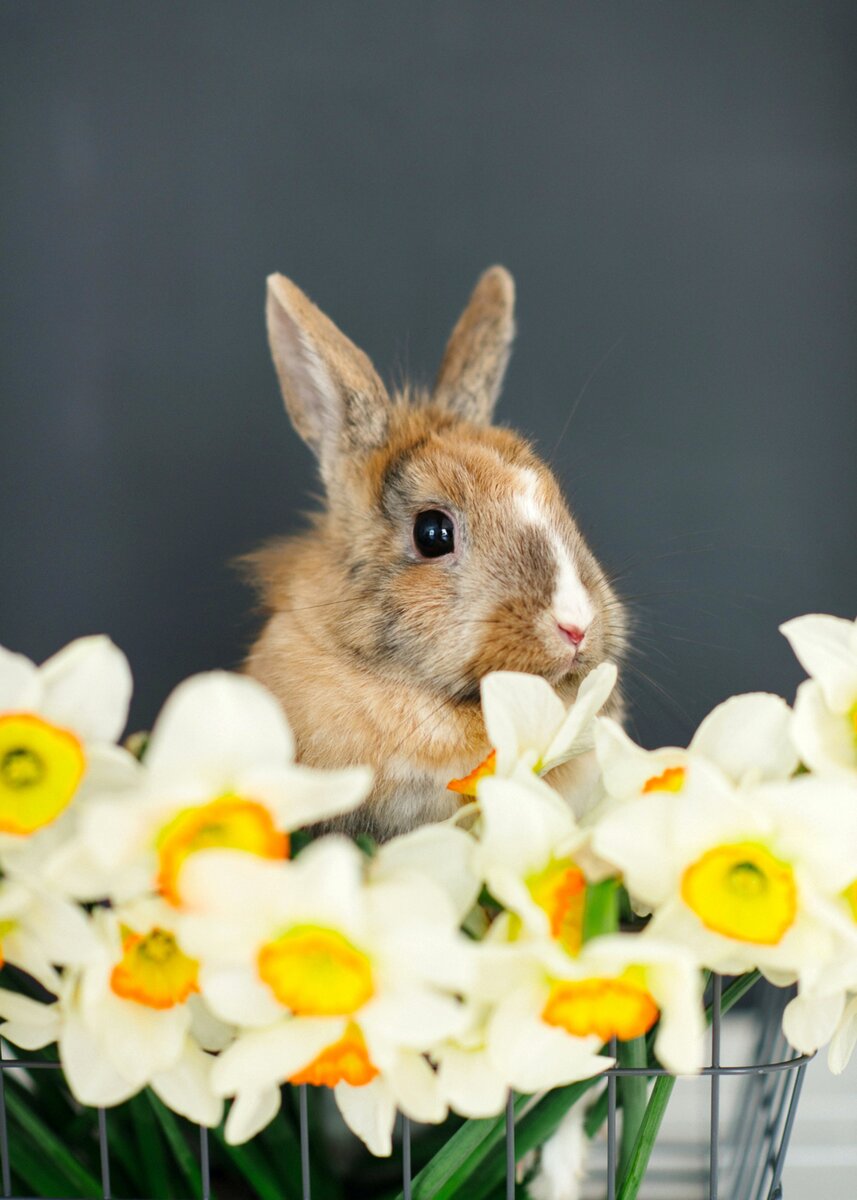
(123,1020)
(527,855)
(746,738)
(529,727)
(58,726)
(825,717)
(336,981)
(737,875)
(219,772)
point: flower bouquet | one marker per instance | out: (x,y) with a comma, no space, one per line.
(179,944)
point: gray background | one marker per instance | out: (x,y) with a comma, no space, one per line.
(673,184)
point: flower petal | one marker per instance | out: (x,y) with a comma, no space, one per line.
(263,1057)
(470,1082)
(810,1021)
(186,1087)
(250,1113)
(522,713)
(576,734)
(748,735)
(844,1039)
(87,688)
(90,1076)
(369,1112)
(824,646)
(303,795)
(215,726)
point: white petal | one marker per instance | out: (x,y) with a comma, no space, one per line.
(531,1055)
(303,795)
(141,1041)
(440,852)
(825,739)
(262,1057)
(470,1082)
(810,1021)
(522,713)
(87,688)
(824,648)
(522,824)
(369,1112)
(186,1087)
(576,734)
(748,734)
(413,1017)
(215,726)
(90,1076)
(844,1039)
(208,1030)
(250,1113)
(415,1088)
(28,1023)
(237,997)
(20,686)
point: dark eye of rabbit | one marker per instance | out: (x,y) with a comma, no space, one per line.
(434,533)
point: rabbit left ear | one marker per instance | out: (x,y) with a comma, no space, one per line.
(474,362)
(332,393)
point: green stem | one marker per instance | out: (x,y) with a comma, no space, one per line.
(661,1092)
(633,1089)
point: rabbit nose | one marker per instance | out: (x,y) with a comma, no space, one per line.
(572,633)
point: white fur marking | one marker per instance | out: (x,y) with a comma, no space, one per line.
(571,604)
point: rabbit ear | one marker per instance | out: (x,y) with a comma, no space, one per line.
(333,395)
(474,362)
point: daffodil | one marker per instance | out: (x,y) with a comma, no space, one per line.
(336,981)
(746,738)
(123,1020)
(825,715)
(58,723)
(529,727)
(219,772)
(527,853)
(736,874)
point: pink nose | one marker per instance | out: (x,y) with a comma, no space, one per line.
(572,633)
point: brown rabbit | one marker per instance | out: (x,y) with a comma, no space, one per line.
(445,551)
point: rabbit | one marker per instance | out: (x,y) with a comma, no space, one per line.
(445,550)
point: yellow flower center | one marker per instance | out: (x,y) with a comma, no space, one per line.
(228,823)
(852,716)
(153,970)
(560,892)
(345,1061)
(41,766)
(622,1007)
(467,785)
(670,780)
(742,891)
(316,972)
(850,897)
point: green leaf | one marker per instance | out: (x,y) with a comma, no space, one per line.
(443,1176)
(150,1152)
(77,1179)
(182,1153)
(532,1128)
(601,908)
(633,1089)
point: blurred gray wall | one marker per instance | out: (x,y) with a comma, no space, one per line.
(674,186)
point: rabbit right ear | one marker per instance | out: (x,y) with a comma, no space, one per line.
(477,353)
(333,394)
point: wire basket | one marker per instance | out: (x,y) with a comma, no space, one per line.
(740,1156)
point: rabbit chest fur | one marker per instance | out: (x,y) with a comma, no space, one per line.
(445,550)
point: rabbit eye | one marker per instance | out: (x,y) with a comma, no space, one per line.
(434,533)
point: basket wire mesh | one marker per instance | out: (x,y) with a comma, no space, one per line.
(750,1168)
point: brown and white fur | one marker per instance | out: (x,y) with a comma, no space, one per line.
(375,652)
